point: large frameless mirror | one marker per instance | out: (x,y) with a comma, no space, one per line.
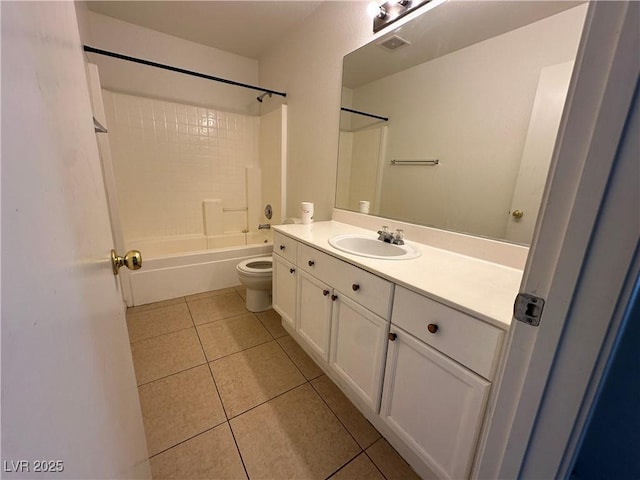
(473,92)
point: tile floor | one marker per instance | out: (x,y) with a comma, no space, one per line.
(226,393)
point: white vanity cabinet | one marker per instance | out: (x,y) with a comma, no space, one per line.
(285,277)
(433,396)
(349,307)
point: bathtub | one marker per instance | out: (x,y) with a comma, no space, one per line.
(189,264)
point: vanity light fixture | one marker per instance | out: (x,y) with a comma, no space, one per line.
(388,12)
(375,10)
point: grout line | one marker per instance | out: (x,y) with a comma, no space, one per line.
(233,315)
(343,466)
(160,335)
(239,351)
(149,308)
(266,401)
(171,374)
(373,461)
(224,410)
(336,415)
(187,439)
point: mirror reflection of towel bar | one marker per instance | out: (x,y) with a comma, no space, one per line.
(433,161)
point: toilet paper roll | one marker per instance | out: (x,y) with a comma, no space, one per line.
(292,220)
(306,212)
(364,206)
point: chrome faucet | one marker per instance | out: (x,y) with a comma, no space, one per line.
(386,236)
(264,226)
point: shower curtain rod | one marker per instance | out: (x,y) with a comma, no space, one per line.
(365,114)
(89,49)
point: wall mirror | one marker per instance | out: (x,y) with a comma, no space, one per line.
(473,92)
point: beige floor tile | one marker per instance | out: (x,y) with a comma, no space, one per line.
(390,463)
(151,306)
(179,407)
(272,321)
(231,335)
(360,468)
(242,291)
(293,436)
(165,355)
(253,376)
(357,425)
(209,309)
(212,455)
(211,293)
(304,362)
(158,321)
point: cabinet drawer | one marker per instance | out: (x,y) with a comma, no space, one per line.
(467,340)
(285,246)
(370,291)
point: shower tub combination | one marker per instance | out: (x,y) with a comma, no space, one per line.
(190,264)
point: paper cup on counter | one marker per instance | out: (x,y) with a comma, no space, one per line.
(364,206)
(306,212)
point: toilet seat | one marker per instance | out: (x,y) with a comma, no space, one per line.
(256,266)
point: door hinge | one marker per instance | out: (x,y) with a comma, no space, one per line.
(528,309)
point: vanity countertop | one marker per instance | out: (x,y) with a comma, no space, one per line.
(483,289)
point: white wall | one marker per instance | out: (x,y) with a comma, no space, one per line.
(307,64)
(273,137)
(470,109)
(169,157)
(107,33)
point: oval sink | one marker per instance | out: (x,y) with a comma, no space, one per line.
(370,246)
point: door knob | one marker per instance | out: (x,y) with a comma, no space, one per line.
(517,213)
(132,260)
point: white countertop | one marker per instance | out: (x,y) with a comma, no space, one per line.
(483,289)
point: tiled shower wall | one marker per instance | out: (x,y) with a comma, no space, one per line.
(169,157)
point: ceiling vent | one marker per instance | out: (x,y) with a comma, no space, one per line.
(392,43)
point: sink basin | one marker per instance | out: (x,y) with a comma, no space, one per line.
(370,246)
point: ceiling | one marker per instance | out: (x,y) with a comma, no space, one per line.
(247,28)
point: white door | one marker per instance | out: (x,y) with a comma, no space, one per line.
(68,387)
(583,249)
(538,150)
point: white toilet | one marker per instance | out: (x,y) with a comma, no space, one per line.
(256,274)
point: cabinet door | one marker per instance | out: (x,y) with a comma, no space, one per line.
(284,289)
(314,313)
(434,404)
(358,348)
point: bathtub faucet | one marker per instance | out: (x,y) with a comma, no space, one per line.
(264,226)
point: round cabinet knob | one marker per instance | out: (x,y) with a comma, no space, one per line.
(392,336)
(325,292)
(334,297)
(355,287)
(311,263)
(432,327)
(281,247)
(517,213)
(132,260)
(292,270)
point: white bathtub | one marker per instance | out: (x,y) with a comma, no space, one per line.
(184,265)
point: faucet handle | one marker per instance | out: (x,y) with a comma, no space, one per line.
(399,237)
(385,229)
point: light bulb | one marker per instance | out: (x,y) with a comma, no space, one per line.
(375,10)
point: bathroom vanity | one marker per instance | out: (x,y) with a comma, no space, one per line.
(414,343)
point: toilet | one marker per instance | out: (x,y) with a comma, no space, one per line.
(255,274)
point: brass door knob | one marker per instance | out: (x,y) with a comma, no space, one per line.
(132,260)
(517,213)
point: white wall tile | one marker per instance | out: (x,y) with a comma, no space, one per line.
(169,157)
